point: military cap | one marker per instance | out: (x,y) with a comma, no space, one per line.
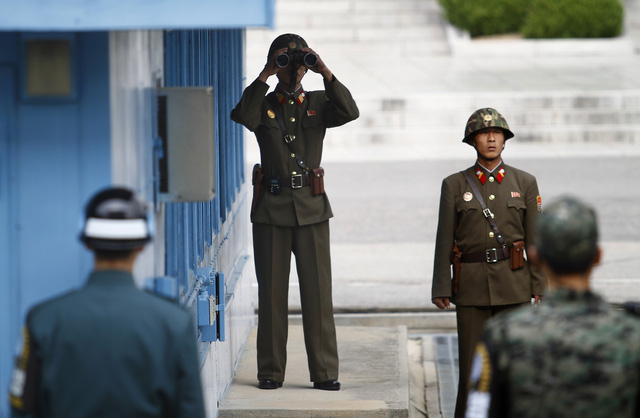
(287,40)
(485,118)
(567,235)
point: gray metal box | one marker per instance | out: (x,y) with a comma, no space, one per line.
(186,128)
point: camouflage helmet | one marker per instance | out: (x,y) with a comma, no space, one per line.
(567,235)
(485,118)
(287,40)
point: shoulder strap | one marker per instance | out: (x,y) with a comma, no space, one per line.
(288,139)
(485,210)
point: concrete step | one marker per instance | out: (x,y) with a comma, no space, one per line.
(358,6)
(373,374)
(558,117)
(330,19)
(356,34)
(514,101)
(429,136)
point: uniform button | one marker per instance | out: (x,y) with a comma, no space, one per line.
(290,102)
(491,234)
(292,119)
(491,197)
(293,155)
(491,179)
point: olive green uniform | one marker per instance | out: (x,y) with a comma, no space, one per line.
(107,350)
(485,288)
(293,221)
(573,356)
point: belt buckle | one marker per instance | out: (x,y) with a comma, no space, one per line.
(289,138)
(296,181)
(491,259)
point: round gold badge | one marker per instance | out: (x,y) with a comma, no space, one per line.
(271,114)
(467,196)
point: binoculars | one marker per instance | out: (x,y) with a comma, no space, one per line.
(297,57)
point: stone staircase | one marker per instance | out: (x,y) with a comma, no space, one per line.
(415,90)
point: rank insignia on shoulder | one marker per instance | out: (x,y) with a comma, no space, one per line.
(271,114)
(539,202)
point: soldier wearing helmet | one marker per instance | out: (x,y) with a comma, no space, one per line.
(486,219)
(290,210)
(108,348)
(572,356)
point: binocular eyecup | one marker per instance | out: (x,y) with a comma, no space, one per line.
(308,59)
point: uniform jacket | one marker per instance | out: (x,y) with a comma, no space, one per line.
(572,356)
(512,195)
(107,350)
(307,120)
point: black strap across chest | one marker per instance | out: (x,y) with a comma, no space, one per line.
(288,139)
(485,210)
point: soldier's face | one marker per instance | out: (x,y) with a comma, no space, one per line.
(489,143)
(284,76)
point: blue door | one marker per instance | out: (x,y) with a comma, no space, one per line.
(8,331)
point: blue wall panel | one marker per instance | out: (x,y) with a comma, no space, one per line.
(59,151)
(8,308)
(206,58)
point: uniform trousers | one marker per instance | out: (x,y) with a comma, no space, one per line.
(471,321)
(272,247)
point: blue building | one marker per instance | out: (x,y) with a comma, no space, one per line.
(96,93)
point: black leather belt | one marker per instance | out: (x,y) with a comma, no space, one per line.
(492,255)
(295,181)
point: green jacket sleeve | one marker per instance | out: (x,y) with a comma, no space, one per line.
(441,285)
(190,403)
(341,108)
(247,111)
(538,280)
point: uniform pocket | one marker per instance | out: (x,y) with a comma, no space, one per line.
(464,206)
(313,119)
(516,204)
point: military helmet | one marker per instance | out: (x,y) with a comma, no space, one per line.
(485,118)
(287,40)
(115,221)
(567,235)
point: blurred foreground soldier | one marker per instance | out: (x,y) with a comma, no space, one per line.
(487,218)
(574,355)
(108,349)
(290,211)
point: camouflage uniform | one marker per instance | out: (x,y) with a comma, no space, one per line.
(573,356)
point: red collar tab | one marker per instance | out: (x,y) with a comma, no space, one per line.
(282,99)
(500,175)
(481,176)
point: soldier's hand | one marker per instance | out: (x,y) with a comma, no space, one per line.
(441,303)
(270,68)
(537,299)
(320,67)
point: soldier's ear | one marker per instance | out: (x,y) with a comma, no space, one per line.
(598,257)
